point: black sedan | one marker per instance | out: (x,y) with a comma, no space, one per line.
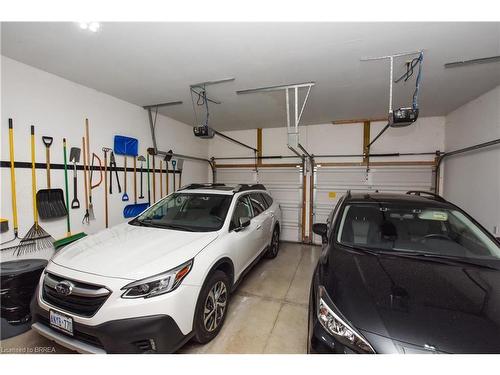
(404,273)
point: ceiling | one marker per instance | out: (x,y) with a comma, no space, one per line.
(149,63)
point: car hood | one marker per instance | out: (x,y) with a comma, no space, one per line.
(132,252)
(452,307)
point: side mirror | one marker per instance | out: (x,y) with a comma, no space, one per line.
(244,222)
(320,229)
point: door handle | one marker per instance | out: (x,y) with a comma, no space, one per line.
(259,227)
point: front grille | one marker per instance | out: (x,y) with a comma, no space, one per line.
(77,334)
(84,300)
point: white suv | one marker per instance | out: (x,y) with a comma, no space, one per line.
(165,277)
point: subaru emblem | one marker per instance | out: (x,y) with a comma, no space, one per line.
(64,288)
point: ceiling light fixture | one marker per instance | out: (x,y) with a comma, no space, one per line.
(92,26)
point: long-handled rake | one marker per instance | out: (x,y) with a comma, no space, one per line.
(37,238)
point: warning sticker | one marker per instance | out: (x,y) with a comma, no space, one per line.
(332,194)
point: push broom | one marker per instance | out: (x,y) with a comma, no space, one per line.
(37,238)
(69,237)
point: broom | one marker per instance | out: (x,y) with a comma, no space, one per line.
(37,238)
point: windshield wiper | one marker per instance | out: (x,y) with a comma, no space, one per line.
(436,257)
(421,255)
(179,227)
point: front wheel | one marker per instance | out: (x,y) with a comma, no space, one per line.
(211,307)
(274,247)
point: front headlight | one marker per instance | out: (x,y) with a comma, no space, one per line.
(338,326)
(158,284)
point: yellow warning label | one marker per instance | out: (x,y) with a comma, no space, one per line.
(332,194)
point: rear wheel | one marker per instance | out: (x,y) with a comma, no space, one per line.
(274,247)
(211,307)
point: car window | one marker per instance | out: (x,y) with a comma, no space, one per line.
(187,211)
(263,200)
(268,199)
(390,227)
(241,209)
(258,204)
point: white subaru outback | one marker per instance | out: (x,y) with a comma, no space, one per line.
(165,277)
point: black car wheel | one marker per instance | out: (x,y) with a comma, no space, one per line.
(211,307)
(274,247)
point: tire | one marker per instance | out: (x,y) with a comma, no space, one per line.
(274,246)
(208,324)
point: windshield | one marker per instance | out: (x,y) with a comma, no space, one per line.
(187,211)
(438,231)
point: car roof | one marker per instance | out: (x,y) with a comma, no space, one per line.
(415,199)
(222,188)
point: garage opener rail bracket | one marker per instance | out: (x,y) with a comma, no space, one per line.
(292,129)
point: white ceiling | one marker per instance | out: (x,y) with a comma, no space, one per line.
(148,63)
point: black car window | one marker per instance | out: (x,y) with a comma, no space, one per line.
(257,204)
(268,199)
(404,228)
(242,209)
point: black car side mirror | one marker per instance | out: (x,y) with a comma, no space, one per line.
(244,222)
(320,229)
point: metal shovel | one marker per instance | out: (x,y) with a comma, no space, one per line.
(50,202)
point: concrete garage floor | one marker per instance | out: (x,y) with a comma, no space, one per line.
(267,314)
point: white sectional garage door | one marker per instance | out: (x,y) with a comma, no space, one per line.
(285,186)
(332,182)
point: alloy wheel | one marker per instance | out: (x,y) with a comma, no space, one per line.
(215,306)
(275,242)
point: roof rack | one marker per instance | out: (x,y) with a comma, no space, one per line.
(244,187)
(428,193)
(199,186)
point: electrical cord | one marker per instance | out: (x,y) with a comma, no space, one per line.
(410,67)
(417,83)
(202,100)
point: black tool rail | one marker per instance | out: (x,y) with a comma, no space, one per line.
(27,165)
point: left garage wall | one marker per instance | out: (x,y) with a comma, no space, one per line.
(58,108)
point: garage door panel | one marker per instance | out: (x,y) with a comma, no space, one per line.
(284,185)
(234,176)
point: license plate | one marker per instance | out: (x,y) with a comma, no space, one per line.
(61,322)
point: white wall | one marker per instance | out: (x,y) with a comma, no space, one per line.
(472,180)
(57,108)
(427,135)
